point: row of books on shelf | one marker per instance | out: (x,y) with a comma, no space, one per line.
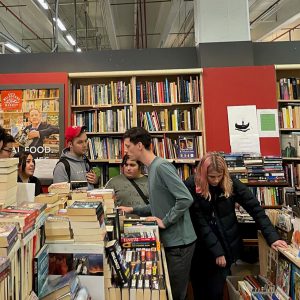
(119,92)
(118,120)
(268,196)
(171,120)
(40,93)
(183,147)
(289,116)
(288,88)
(180,91)
(255,167)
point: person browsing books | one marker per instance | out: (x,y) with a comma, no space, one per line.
(131,187)
(213,215)
(7,149)
(73,164)
(169,206)
(26,167)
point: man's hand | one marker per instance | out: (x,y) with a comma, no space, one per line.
(125,209)
(221,261)
(91,177)
(158,220)
(33,134)
(280,244)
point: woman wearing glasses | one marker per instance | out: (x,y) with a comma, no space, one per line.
(26,169)
(7,147)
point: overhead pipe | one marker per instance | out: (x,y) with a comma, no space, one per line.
(289,30)
(141,23)
(75,20)
(264,12)
(21,21)
(145,24)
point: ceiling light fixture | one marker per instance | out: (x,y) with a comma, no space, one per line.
(60,24)
(44,4)
(70,39)
(78,50)
(12,47)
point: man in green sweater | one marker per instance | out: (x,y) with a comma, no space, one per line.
(169,206)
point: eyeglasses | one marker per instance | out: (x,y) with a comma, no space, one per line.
(7,150)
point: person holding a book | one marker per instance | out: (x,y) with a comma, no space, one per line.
(169,206)
(219,244)
(7,150)
(73,165)
(26,167)
(34,134)
(131,187)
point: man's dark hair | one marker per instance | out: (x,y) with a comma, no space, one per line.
(138,134)
(126,157)
(7,139)
(2,133)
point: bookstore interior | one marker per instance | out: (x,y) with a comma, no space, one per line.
(72,217)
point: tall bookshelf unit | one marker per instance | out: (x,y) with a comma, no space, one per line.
(168,103)
(288,95)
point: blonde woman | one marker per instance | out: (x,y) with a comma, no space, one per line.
(213,215)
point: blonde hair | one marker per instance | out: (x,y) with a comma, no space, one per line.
(212,161)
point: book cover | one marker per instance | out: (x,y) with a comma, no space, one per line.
(186,147)
(288,145)
(118,261)
(88,264)
(85,208)
(60,263)
(283,275)
(295,282)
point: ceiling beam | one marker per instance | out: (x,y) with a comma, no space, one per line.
(288,12)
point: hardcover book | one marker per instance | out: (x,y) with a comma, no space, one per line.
(7,235)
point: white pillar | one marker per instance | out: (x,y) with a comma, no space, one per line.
(221,21)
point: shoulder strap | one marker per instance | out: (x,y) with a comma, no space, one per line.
(143,196)
(67,166)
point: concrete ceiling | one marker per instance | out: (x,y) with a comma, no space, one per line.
(126,24)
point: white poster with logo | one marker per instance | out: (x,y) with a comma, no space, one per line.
(243,129)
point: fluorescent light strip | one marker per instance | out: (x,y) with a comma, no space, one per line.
(78,50)
(70,39)
(60,24)
(12,47)
(44,4)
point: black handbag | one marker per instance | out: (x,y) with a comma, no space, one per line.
(143,196)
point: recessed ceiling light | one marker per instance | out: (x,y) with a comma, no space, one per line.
(71,40)
(12,47)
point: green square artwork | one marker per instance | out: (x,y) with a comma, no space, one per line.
(267,122)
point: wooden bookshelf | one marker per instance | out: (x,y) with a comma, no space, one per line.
(173,96)
(266,183)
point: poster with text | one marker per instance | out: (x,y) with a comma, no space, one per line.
(31,116)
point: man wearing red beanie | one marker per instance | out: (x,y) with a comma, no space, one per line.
(73,164)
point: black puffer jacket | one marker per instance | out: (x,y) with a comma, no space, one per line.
(215,221)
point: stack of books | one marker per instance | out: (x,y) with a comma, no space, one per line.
(106,196)
(54,201)
(87,221)
(8,181)
(59,188)
(4,272)
(57,229)
(8,238)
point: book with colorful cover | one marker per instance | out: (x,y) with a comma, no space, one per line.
(85,208)
(40,269)
(22,210)
(283,275)
(33,205)
(295,282)
(186,147)
(118,261)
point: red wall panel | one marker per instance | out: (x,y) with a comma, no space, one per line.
(236,86)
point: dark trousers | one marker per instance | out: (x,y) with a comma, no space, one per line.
(179,264)
(207,278)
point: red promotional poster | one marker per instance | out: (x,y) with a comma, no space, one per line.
(11,100)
